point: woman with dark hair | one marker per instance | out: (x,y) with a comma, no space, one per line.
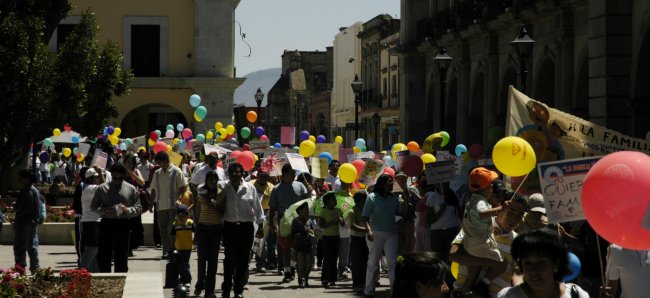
(442,217)
(134,177)
(420,275)
(379,213)
(543,259)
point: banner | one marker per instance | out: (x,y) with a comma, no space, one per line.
(440,171)
(561,183)
(373,169)
(258,146)
(319,167)
(556,135)
(332,148)
(136,143)
(287,135)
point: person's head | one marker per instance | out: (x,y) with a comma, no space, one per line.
(130,161)
(536,204)
(384,185)
(26,178)
(211,160)
(329,200)
(211,180)
(345,186)
(510,217)
(144,157)
(182,212)
(401,178)
(89,175)
(118,174)
(360,198)
(499,192)
(421,275)
(303,210)
(542,257)
(306,180)
(334,167)
(162,159)
(288,174)
(263,175)
(480,181)
(235,172)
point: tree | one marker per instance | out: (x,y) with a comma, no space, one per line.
(42,90)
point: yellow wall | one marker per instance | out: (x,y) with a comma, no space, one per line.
(177,98)
(181,25)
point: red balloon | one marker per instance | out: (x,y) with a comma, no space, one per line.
(153,135)
(246,147)
(615,198)
(475,151)
(412,165)
(235,154)
(389,171)
(359,165)
(247,160)
(159,147)
(187,133)
(264,138)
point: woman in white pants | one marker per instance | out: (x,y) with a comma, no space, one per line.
(379,213)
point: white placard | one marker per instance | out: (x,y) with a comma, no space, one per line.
(440,171)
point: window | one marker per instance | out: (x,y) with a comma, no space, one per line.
(62,33)
(384,93)
(319,81)
(393,86)
(145,50)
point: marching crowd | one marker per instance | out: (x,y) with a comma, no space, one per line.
(482,240)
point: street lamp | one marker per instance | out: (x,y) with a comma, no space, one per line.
(259,96)
(356,88)
(375,120)
(442,63)
(523,45)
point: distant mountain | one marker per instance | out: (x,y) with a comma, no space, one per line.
(264,79)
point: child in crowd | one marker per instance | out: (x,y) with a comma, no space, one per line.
(187,200)
(420,275)
(329,221)
(183,228)
(302,232)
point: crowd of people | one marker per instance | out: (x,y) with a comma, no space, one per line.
(500,242)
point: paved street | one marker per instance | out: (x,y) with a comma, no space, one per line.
(147,260)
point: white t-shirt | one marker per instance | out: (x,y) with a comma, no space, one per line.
(144,170)
(518,292)
(632,268)
(448,219)
(199,177)
(59,168)
(87,196)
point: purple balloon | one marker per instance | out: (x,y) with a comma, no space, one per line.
(321,139)
(110,130)
(44,157)
(259,131)
(304,135)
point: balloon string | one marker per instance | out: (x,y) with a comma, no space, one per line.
(519,186)
(600,260)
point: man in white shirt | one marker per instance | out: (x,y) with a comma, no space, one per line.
(629,269)
(144,167)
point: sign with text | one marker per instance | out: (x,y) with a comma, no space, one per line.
(99,159)
(258,146)
(228,162)
(136,143)
(561,183)
(297,162)
(373,169)
(442,155)
(440,171)
(196,146)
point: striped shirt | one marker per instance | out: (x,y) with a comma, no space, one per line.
(210,214)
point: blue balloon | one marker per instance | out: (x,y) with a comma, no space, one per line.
(123,146)
(75,139)
(195,100)
(158,132)
(360,143)
(460,149)
(180,127)
(321,139)
(44,157)
(259,131)
(389,161)
(110,130)
(326,155)
(574,264)
(169,127)
(277,145)
(304,135)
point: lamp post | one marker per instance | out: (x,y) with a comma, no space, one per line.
(375,120)
(356,88)
(259,96)
(523,45)
(442,64)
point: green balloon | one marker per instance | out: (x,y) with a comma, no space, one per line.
(201,112)
(200,137)
(245,132)
(170,127)
(47,142)
(445,138)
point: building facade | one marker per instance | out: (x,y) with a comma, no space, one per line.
(590,59)
(175,49)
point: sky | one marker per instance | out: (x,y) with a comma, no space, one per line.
(271,26)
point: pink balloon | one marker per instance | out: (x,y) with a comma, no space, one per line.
(389,171)
(475,151)
(247,160)
(412,166)
(246,147)
(235,154)
(160,146)
(359,165)
(187,133)
(264,138)
(616,198)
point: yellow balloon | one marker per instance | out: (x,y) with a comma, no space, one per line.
(347,173)
(222,133)
(256,157)
(218,125)
(514,156)
(209,135)
(432,142)
(142,149)
(454,269)
(356,149)
(80,157)
(56,132)
(175,141)
(307,148)
(67,152)
(117,131)
(398,147)
(196,117)
(230,129)
(312,138)
(428,158)
(338,139)
(169,148)
(384,152)
(151,142)
(114,140)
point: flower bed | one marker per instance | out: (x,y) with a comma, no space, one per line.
(70,283)
(54,213)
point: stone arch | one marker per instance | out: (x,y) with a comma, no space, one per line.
(476,108)
(149,117)
(641,86)
(545,82)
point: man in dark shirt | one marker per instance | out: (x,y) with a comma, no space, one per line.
(27,216)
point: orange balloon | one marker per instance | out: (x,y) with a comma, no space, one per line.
(251,116)
(413,146)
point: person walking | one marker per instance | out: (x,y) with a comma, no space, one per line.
(27,216)
(90,220)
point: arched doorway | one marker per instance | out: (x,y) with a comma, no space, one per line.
(641,97)
(147,118)
(510,78)
(580,105)
(475,131)
(545,89)
(451,109)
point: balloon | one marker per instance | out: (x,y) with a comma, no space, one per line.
(187,133)
(67,152)
(454,269)
(169,148)
(445,138)
(359,165)
(307,148)
(295,148)
(218,125)
(338,139)
(428,158)
(110,130)
(195,100)
(390,171)
(246,147)
(304,135)
(247,160)
(412,165)
(277,145)
(44,157)
(117,132)
(356,149)
(169,127)
(222,133)
(128,141)
(201,112)
(389,161)
(122,146)
(75,151)
(142,149)
(151,142)
(360,143)
(312,138)
(230,129)
(476,150)
(321,139)
(160,146)
(113,139)
(264,138)
(513,156)
(245,132)
(615,198)
(175,141)
(413,146)
(56,132)
(80,157)
(196,117)
(200,137)
(326,155)
(169,134)
(235,154)
(495,134)
(209,135)
(575,266)
(432,142)
(259,131)
(397,147)
(75,139)
(251,116)
(179,127)
(460,149)
(347,173)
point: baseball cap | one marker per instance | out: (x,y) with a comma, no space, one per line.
(536,203)
(91,173)
(481,178)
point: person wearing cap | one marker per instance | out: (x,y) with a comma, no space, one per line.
(90,220)
(536,216)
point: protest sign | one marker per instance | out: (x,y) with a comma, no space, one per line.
(440,171)
(561,183)
(258,146)
(175,158)
(287,135)
(297,162)
(99,159)
(84,148)
(136,143)
(319,167)
(332,148)
(373,169)
(442,155)
(196,146)
(343,154)
(228,162)
(278,163)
